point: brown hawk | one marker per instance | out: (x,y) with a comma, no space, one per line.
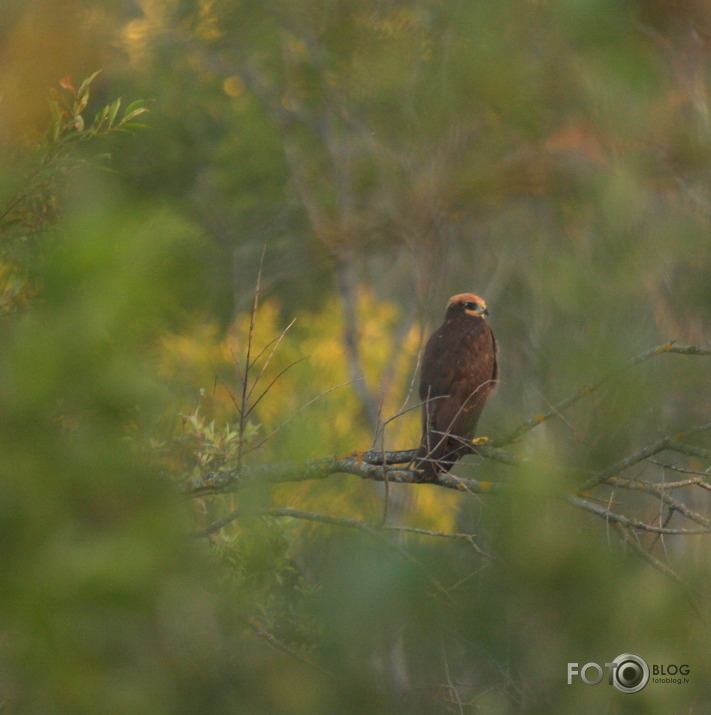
(458,373)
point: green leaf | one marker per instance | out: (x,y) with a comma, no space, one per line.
(56,119)
(128,116)
(126,128)
(83,90)
(138,104)
(113,111)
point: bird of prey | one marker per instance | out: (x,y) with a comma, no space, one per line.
(458,373)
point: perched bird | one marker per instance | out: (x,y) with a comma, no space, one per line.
(458,373)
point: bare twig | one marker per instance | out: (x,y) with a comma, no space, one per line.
(337,521)
(243,407)
(681,470)
(660,491)
(292,416)
(670,442)
(663,568)
(628,522)
(592,387)
(275,342)
(271,384)
(275,642)
(664,524)
(659,565)
(445,434)
(622,464)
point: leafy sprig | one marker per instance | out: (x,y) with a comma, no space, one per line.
(68,124)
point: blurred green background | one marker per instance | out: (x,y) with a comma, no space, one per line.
(368,160)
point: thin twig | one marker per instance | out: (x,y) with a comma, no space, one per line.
(372,528)
(237,405)
(337,521)
(271,384)
(670,442)
(275,342)
(292,416)
(275,642)
(445,434)
(659,565)
(659,491)
(628,522)
(681,470)
(592,387)
(243,409)
(664,524)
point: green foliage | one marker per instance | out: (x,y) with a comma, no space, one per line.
(212,446)
(30,188)
(257,564)
(68,124)
(552,156)
(92,538)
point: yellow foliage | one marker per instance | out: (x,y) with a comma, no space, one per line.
(292,365)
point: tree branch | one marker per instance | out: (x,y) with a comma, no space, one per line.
(660,491)
(665,443)
(322,468)
(395,467)
(261,632)
(660,565)
(592,387)
(625,521)
(338,521)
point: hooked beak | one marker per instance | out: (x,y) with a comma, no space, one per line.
(485,311)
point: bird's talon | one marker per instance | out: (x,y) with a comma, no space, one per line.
(480,441)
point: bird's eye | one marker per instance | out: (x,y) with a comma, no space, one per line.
(470,306)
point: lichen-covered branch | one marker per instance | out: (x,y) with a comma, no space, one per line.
(324,467)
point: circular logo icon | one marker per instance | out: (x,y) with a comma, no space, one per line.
(631,673)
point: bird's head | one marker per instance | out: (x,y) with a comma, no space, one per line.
(467,304)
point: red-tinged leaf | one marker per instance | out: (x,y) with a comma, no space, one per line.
(66,83)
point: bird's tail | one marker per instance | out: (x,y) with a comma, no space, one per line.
(428,467)
(435,456)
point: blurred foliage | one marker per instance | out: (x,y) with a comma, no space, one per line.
(30,193)
(368,159)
